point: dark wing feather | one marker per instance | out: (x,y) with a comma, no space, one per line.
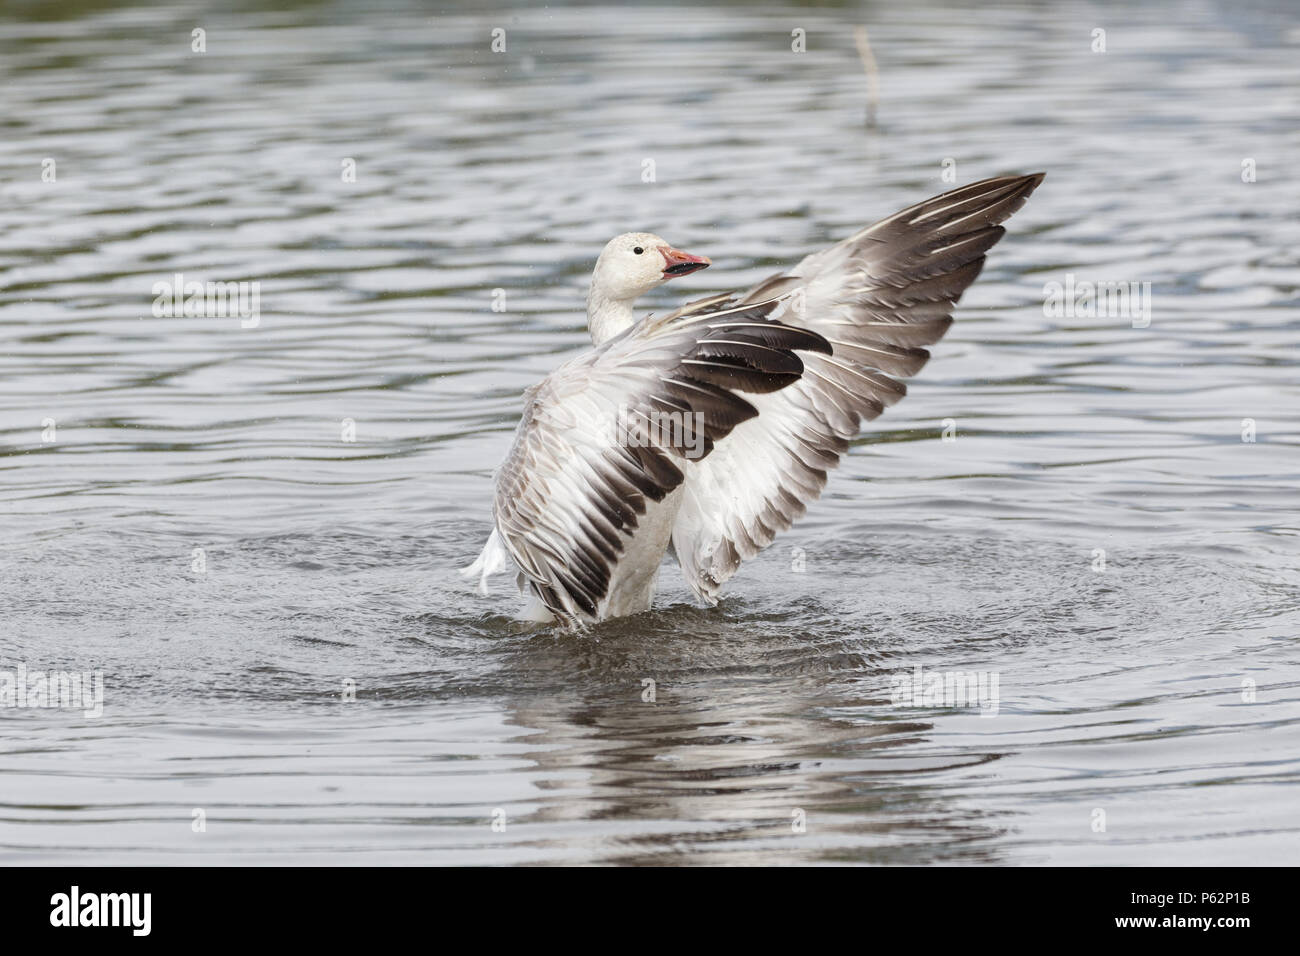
(877,298)
(575,483)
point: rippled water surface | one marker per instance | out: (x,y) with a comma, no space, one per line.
(1159,696)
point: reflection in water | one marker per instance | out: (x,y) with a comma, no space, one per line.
(740,776)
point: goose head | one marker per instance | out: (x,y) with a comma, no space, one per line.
(629,266)
(632,264)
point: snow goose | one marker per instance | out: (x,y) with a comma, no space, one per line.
(710,430)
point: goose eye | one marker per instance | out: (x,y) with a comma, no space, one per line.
(638,250)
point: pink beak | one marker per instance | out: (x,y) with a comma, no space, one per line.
(678,263)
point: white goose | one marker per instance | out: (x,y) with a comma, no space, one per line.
(711,429)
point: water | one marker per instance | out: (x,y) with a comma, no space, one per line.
(326,561)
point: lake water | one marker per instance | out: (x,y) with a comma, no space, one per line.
(180,510)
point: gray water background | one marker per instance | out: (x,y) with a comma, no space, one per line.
(326,561)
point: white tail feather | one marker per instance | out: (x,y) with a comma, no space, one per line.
(491,560)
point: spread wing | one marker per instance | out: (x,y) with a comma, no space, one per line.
(879,297)
(591,449)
